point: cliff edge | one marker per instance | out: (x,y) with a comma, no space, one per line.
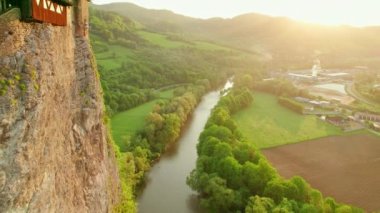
(54,155)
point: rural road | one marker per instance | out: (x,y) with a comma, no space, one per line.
(350,88)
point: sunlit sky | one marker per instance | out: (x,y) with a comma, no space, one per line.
(330,12)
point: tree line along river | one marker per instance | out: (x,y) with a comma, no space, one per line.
(166,190)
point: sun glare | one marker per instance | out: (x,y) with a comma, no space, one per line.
(324,12)
(330,12)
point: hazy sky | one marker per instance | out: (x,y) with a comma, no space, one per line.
(332,12)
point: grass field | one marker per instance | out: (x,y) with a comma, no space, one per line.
(162,41)
(114,56)
(268,124)
(126,123)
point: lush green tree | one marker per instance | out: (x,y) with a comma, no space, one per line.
(230,170)
(245,152)
(222,133)
(306,208)
(219,117)
(343,209)
(256,177)
(316,199)
(303,189)
(198,179)
(170,131)
(222,150)
(141,161)
(286,206)
(207,148)
(258,204)
(220,199)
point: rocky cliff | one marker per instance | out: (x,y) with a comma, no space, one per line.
(54,155)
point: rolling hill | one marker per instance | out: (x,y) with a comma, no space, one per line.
(285,42)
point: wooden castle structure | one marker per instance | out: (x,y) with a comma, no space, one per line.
(49,11)
(55,12)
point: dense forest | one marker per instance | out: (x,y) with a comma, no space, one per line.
(232,175)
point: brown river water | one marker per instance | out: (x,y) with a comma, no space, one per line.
(166,190)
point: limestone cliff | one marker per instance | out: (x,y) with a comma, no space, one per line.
(54,155)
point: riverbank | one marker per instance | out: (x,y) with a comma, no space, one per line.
(165,188)
(161,129)
(233,176)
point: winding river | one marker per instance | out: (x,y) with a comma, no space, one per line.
(166,190)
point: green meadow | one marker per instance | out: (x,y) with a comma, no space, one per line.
(268,124)
(125,124)
(110,56)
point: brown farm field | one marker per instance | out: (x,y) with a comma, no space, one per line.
(344,167)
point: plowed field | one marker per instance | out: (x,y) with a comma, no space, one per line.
(345,167)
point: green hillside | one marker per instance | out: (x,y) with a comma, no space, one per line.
(287,43)
(134,62)
(175,41)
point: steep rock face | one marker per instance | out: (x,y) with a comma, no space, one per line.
(54,155)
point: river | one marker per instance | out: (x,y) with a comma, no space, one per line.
(166,190)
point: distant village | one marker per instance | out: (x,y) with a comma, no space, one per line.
(333,93)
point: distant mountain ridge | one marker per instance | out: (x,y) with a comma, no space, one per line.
(289,43)
(149,17)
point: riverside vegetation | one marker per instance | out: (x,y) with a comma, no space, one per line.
(134,68)
(232,175)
